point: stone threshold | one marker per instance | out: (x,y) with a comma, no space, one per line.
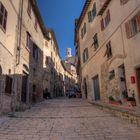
(131,114)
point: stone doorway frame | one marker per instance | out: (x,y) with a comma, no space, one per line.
(122,79)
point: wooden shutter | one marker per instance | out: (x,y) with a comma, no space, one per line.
(84,56)
(123,1)
(108,16)
(86,53)
(89,16)
(102,24)
(128,29)
(82,33)
(94,10)
(138,19)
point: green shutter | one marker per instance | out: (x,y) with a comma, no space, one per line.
(89,16)
(94,11)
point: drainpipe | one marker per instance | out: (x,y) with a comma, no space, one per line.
(20,18)
(17,57)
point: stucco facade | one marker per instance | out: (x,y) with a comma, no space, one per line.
(104,74)
(21,59)
(57,79)
(7,51)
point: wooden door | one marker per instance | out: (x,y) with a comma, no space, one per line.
(96,88)
(24,87)
(85,88)
(138,81)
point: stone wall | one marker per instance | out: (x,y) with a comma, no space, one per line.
(125,114)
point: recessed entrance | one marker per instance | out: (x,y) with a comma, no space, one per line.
(85,88)
(122,81)
(96,87)
(24,87)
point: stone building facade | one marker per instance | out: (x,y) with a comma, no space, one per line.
(57,79)
(31,53)
(107,44)
(21,60)
(8,35)
(29,57)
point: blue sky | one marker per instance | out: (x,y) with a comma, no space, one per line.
(60,15)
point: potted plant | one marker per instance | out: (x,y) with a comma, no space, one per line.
(113,101)
(125,95)
(131,101)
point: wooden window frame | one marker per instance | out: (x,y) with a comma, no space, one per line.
(28,40)
(95,41)
(108,52)
(132,28)
(106,20)
(35,52)
(85,55)
(123,2)
(36,24)
(29,8)
(4,15)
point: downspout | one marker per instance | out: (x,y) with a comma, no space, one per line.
(17,57)
(20,18)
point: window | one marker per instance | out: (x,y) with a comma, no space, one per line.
(108,52)
(94,10)
(111,75)
(29,8)
(35,52)
(35,24)
(8,85)
(47,60)
(34,89)
(123,2)
(133,26)
(34,71)
(83,30)
(28,40)
(95,41)
(105,21)
(3,17)
(85,55)
(92,13)
(89,16)
(82,35)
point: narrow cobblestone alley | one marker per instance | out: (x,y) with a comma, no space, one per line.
(64,119)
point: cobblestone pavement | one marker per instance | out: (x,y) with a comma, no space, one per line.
(66,119)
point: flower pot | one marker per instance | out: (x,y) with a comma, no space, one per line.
(131,103)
